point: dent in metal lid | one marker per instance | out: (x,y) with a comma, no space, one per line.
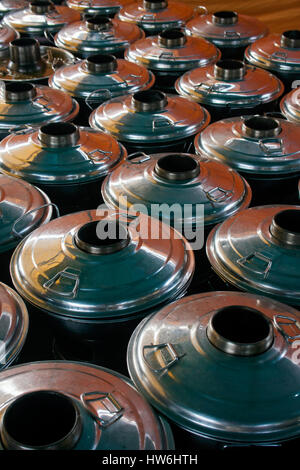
(40,16)
(7,35)
(97,35)
(79,266)
(182,179)
(172,51)
(267,260)
(220,364)
(23,208)
(98,7)
(150,116)
(254,144)
(156,15)
(290,105)
(276,52)
(14,322)
(60,153)
(229,83)
(227,28)
(28,61)
(23,104)
(76,406)
(101,77)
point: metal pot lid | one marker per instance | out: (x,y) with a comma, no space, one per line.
(172,50)
(23,208)
(60,153)
(76,406)
(99,7)
(227,28)
(267,261)
(156,14)
(290,105)
(221,365)
(7,6)
(7,35)
(40,16)
(276,52)
(101,77)
(28,61)
(183,179)
(74,271)
(229,83)
(97,34)
(23,104)
(150,116)
(253,144)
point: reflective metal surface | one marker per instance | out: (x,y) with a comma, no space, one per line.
(14,323)
(290,105)
(7,35)
(97,7)
(76,406)
(7,6)
(178,179)
(251,253)
(182,369)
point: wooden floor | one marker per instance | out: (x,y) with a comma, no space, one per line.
(278,15)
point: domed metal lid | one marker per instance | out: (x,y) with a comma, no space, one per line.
(150,116)
(267,260)
(97,34)
(229,83)
(276,52)
(23,208)
(254,144)
(106,266)
(39,16)
(101,77)
(99,7)
(14,323)
(182,179)
(227,28)
(221,364)
(7,6)
(60,153)
(61,405)
(172,50)
(156,15)
(290,105)
(23,104)
(7,35)
(28,61)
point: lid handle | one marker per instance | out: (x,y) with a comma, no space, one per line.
(257,263)
(200,10)
(49,204)
(41,101)
(103,407)
(65,283)
(270,146)
(279,324)
(219,194)
(171,356)
(137,158)
(99,156)
(103,93)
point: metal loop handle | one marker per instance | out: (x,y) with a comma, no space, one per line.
(271,145)
(24,129)
(232,34)
(167,55)
(242,261)
(68,273)
(161,122)
(134,158)
(292,321)
(224,196)
(17,234)
(49,36)
(41,101)
(198,8)
(100,91)
(279,55)
(104,156)
(148,16)
(111,409)
(170,348)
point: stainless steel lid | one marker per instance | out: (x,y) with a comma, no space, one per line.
(267,260)
(150,116)
(97,35)
(253,144)
(40,16)
(7,6)
(156,15)
(101,77)
(276,52)
(14,322)
(229,83)
(290,105)
(222,365)
(98,7)
(7,35)
(227,28)
(23,104)
(28,61)
(23,208)
(102,267)
(60,153)
(172,51)
(76,406)
(182,179)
